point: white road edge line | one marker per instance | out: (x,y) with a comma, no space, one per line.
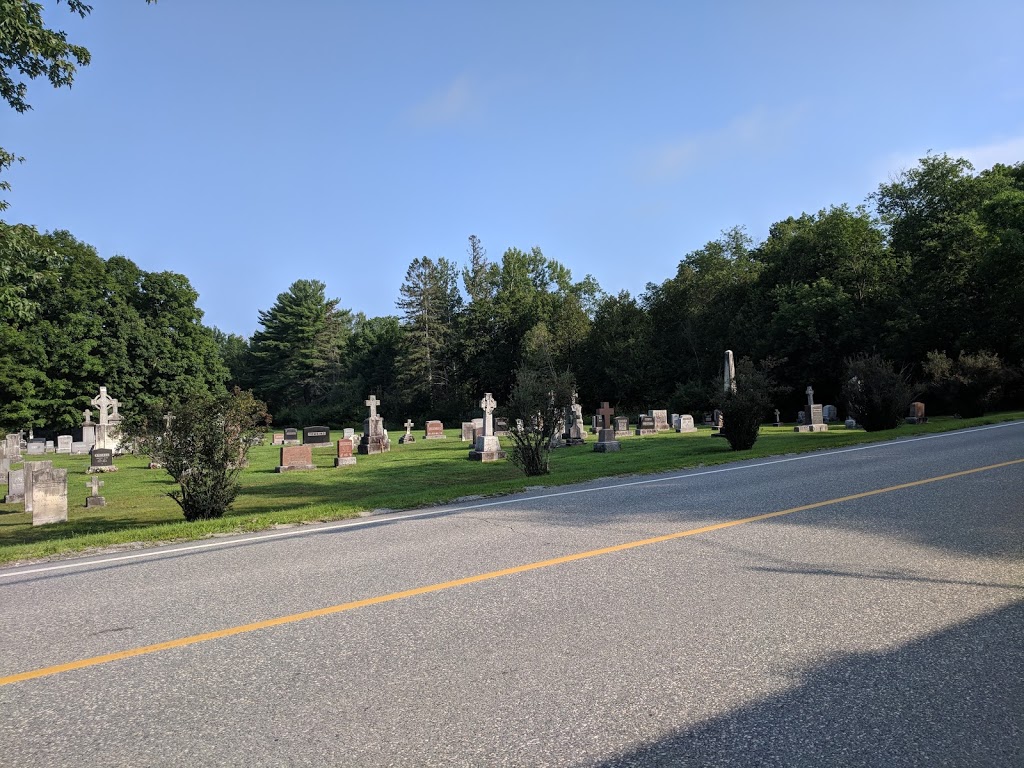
(28,570)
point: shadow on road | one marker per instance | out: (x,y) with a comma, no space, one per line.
(953,698)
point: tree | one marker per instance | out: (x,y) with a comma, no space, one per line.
(203,445)
(31,49)
(967,386)
(745,409)
(876,393)
(297,353)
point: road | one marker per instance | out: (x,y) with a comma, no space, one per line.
(862,606)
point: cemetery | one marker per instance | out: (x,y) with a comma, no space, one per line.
(103,510)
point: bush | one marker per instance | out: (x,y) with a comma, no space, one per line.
(877,395)
(968,386)
(534,412)
(203,447)
(744,410)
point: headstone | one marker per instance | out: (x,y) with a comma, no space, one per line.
(467,431)
(434,430)
(13,446)
(595,424)
(916,414)
(107,429)
(295,458)
(94,499)
(661,422)
(777,422)
(345,457)
(64,444)
(407,437)
(102,460)
(316,435)
(349,434)
(78,447)
(500,427)
(606,442)
(88,428)
(5,469)
(277,439)
(673,419)
(50,447)
(15,486)
(813,418)
(572,420)
(291,436)
(49,490)
(729,373)
(375,437)
(604,417)
(487,447)
(621,426)
(36,447)
(800,416)
(851,423)
(33,468)
(684,423)
(717,419)
(829,413)
(645,424)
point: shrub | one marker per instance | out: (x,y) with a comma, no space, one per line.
(877,395)
(968,386)
(744,410)
(534,410)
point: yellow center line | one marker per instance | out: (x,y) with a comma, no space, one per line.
(181,642)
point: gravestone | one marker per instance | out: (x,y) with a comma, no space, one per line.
(407,437)
(777,423)
(13,443)
(467,431)
(33,468)
(36,447)
(291,436)
(829,413)
(88,428)
(15,486)
(851,423)
(661,423)
(800,417)
(295,458)
(50,447)
(375,438)
(572,419)
(595,424)
(813,417)
(478,428)
(316,435)
(277,439)
(78,448)
(108,428)
(500,427)
(64,444)
(916,414)
(645,424)
(345,457)
(717,419)
(94,499)
(606,442)
(5,469)
(487,447)
(621,426)
(434,430)
(349,434)
(49,496)
(685,423)
(102,460)
(728,373)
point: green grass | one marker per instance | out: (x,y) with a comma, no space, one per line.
(420,474)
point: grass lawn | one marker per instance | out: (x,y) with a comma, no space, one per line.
(419,474)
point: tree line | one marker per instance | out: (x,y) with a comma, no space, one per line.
(927,274)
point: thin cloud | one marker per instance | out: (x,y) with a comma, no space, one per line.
(982,156)
(757,131)
(449,105)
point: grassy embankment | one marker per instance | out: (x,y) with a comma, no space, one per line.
(420,474)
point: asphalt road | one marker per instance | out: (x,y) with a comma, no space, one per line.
(885,629)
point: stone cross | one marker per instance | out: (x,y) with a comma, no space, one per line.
(168,419)
(810,395)
(729,375)
(87,415)
(114,405)
(606,412)
(95,484)
(776,415)
(103,403)
(408,426)
(372,404)
(488,405)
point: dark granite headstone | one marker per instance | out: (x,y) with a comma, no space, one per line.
(291,435)
(316,435)
(102,457)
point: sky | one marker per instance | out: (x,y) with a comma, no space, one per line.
(250,144)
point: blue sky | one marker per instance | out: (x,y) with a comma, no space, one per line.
(251,144)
